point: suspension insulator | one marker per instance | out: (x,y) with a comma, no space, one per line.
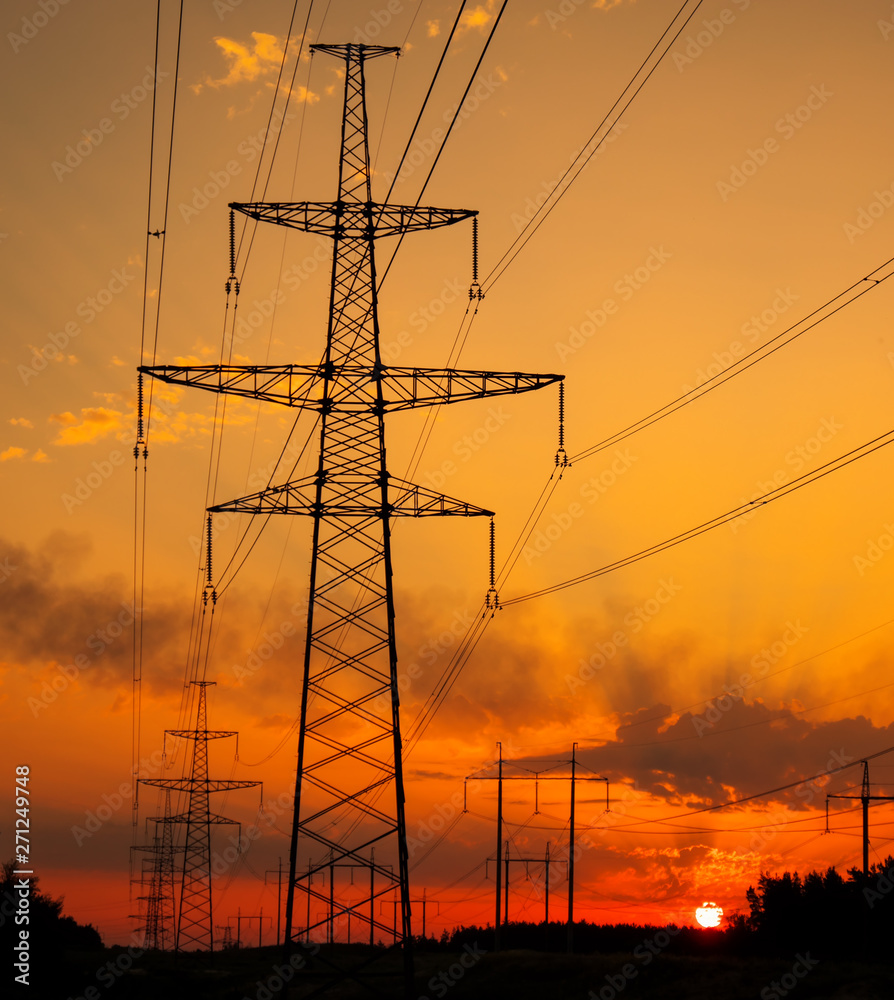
(492,600)
(561,455)
(475,249)
(208,573)
(140,406)
(475,289)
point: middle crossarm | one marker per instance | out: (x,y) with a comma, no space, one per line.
(351,389)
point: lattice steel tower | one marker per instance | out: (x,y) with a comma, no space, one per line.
(349,798)
(160,924)
(194,927)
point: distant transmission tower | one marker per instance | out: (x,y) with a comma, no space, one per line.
(194,927)
(159,926)
(349,797)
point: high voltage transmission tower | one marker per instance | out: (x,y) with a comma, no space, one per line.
(160,902)
(349,796)
(194,927)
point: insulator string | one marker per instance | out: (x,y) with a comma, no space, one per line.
(492,600)
(209,589)
(475,289)
(232,280)
(141,423)
(562,462)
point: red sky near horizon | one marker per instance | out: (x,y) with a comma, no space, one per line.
(748,184)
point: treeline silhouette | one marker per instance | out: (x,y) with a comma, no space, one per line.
(50,934)
(822,912)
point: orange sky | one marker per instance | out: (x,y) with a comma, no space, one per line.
(749,182)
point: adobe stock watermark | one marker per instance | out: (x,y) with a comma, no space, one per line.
(44,12)
(563,11)
(882,886)
(644,953)
(886,28)
(96,818)
(634,622)
(808,790)
(97,643)
(869,214)
(468,446)
(795,462)
(378,21)
(787,126)
(424,148)
(270,644)
(711,29)
(761,663)
(543,539)
(876,550)
(258,479)
(778,988)
(271,810)
(429,653)
(120,109)
(6,569)
(110,972)
(57,343)
(757,324)
(441,983)
(85,486)
(625,288)
(534,203)
(219,180)
(421,319)
(282,974)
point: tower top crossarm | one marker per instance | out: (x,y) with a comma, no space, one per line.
(348,49)
(353,167)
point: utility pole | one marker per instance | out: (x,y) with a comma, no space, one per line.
(278,872)
(527,862)
(537,777)
(240,916)
(425,900)
(350,751)
(571,855)
(865,797)
(194,919)
(499,848)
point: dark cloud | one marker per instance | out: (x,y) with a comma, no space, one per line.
(51,616)
(690,761)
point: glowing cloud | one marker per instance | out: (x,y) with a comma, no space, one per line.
(93,423)
(11,453)
(476,18)
(246,63)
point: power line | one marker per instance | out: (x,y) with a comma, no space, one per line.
(787,336)
(810,477)
(499,268)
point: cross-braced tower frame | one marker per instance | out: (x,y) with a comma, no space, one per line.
(349,797)
(159,930)
(194,927)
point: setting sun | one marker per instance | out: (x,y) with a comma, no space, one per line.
(709,914)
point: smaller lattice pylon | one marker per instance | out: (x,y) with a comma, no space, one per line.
(159,927)
(193,925)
